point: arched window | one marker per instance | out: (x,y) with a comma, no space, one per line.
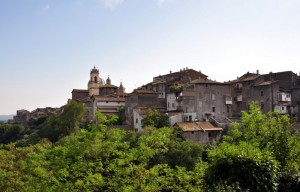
(95,79)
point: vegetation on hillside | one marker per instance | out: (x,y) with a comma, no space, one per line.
(64,153)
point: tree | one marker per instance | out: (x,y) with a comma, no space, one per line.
(271,133)
(72,117)
(121,115)
(243,166)
(106,120)
(156,119)
(60,125)
(11,133)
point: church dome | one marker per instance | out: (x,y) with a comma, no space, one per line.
(101,81)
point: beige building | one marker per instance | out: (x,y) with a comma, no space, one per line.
(100,95)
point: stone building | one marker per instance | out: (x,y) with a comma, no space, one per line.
(205,98)
(159,95)
(189,96)
(25,117)
(273,91)
(200,132)
(138,102)
(100,95)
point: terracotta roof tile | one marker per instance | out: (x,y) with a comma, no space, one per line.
(198,126)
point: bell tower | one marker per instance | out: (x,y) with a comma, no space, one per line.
(94,82)
(121,90)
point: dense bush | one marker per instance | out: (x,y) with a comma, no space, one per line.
(64,153)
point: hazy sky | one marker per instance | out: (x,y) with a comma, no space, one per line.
(47,47)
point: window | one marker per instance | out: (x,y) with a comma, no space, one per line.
(136,120)
(213,97)
(282,108)
(213,109)
(209,134)
(228,109)
(173,104)
(168,104)
(192,132)
(261,93)
(262,106)
(95,79)
(200,95)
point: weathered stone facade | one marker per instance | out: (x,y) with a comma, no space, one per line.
(197,98)
(24,116)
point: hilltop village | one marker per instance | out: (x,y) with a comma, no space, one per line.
(262,153)
(190,98)
(201,107)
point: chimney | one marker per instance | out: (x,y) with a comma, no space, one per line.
(257,72)
(170,72)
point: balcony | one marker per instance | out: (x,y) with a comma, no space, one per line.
(284,97)
(228,100)
(238,87)
(239,98)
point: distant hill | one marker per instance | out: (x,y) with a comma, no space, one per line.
(6,117)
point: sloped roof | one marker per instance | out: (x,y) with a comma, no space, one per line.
(142,110)
(80,90)
(206,81)
(198,126)
(264,83)
(155,82)
(181,71)
(111,99)
(143,91)
(250,78)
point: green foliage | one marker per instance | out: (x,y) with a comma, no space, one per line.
(273,134)
(244,165)
(72,117)
(98,160)
(11,133)
(176,88)
(121,115)
(156,119)
(58,126)
(262,153)
(102,119)
(180,152)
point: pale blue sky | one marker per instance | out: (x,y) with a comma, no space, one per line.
(47,47)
